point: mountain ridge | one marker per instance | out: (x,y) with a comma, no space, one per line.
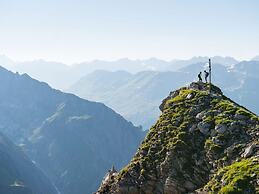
(44,121)
(147,89)
(200,140)
(46,71)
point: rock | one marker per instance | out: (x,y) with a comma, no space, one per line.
(199,191)
(249,151)
(221,128)
(200,115)
(217,141)
(205,87)
(189,96)
(213,133)
(199,162)
(195,110)
(192,128)
(240,117)
(178,121)
(204,127)
(217,96)
(143,152)
(170,187)
(242,122)
(188,150)
(197,86)
(129,189)
(234,126)
(253,120)
(171,95)
(189,185)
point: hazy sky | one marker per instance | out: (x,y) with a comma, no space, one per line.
(79,30)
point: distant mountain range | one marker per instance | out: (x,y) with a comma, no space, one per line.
(47,71)
(61,133)
(74,141)
(136,96)
(126,92)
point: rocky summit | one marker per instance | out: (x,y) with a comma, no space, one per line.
(202,143)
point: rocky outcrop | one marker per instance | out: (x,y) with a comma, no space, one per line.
(200,140)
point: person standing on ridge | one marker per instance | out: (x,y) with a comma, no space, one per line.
(199,76)
(206,74)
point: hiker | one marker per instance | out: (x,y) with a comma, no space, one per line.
(199,76)
(206,74)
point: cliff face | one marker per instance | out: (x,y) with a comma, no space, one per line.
(202,143)
(18,174)
(62,133)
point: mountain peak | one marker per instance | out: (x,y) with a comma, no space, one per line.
(205,87)
(194,147)
(191,90)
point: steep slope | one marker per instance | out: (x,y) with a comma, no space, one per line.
(144,89)
(200,141)
(247,92)
(76,144)
(62,133)
(18,175)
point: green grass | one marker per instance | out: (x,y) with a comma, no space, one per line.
(170,135)
(238,178)
(244,112)
(210,146)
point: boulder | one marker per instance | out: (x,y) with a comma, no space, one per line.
(195,110)
(192,128)
(200,115)
(190,96)
(221,128)
(249,151)
(242,122)
(204,127)
(171,95)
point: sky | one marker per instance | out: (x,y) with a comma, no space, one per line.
(72,31)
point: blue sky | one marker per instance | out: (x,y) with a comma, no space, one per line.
(81,30)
